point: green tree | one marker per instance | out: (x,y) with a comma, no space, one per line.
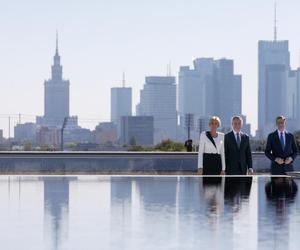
(28,146)
(169,145)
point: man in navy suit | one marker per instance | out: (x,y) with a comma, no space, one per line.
(281,149)
(237,150)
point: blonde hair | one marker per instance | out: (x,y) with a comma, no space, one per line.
(214,119)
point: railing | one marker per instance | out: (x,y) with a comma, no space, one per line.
(110,162)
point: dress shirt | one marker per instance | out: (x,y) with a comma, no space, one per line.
(283,134)
(235,135)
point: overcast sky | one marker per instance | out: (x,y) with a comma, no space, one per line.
(98,40)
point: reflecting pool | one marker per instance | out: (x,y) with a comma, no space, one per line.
(146,212)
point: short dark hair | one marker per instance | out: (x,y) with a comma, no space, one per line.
(237,117)
(281,117)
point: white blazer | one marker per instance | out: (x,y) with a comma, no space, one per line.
(206,146)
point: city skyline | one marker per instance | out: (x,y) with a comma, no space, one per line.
(91,82)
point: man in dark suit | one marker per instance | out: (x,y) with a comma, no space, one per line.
(281,149)
(237,150)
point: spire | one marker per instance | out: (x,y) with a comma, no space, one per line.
(123,80)
(56,51)
(56,56)
(56,67)
(275,22)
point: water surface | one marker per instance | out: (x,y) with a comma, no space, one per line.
(110,212)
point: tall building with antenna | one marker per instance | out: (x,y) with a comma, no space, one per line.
(275,22)
(121,104)
(56,96)
(273,73)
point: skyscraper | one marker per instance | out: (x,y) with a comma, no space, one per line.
(158,99)
(228,92)
(191,90)
(56,96)
(211,88)
(273,74)
(273,70)
(121,104)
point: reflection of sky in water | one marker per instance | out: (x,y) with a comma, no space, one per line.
(146,213)
(279,214)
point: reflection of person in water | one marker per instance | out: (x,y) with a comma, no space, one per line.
(237,190)
(275,217)
(281,191)
(213,191)
(281,188)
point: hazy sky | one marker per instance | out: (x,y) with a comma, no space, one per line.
(98,40)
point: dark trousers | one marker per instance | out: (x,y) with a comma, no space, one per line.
(237,169)
(281,169)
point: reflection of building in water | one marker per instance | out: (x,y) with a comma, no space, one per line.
(121,205)
(157,218)
(276,211)
(193,201)
(134,201)
(56,205)
(120,189)
(157,191)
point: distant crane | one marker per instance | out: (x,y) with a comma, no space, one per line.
(62,133)
(189,124)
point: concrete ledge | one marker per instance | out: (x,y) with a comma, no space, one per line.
(110,163)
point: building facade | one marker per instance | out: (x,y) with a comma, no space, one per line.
(25,132)
(138,130)
(273,74)
(210,88)
(121,105)
(1,136)
(105,132)
(49,138)
(56,96)
(158,99)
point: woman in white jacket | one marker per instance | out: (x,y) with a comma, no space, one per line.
(211,156)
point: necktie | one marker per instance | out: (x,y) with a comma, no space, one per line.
(282,140)
(238,139)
